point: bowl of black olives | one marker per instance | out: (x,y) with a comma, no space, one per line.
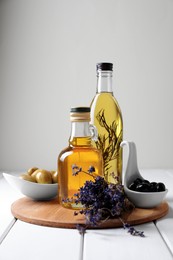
(141,192)
(145,194)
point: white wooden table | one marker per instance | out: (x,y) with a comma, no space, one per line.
(20,240)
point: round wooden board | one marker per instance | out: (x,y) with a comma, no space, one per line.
(52,214)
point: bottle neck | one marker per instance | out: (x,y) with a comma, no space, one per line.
(80,134)
(104,81)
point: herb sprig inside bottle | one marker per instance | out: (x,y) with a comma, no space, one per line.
(102,200)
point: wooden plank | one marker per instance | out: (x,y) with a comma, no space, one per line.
(118,244)
(7,196)
(27,241)
(7,230)
(50,213)
(165,224)
(165,227)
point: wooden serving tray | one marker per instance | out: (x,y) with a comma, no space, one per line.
(52,214)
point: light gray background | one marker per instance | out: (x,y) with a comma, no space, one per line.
(48,52)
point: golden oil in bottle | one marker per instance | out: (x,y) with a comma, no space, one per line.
(106,116)
(80,154)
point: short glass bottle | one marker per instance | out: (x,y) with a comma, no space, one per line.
(80,154)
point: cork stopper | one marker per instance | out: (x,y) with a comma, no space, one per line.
(80,114)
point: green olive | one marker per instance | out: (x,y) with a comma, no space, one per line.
(31,170)
(54,176)
(27,177)
(35,173)
(43,176)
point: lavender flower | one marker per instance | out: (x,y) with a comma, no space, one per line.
(133,231)
(76,169)
(91,169)
(81,228)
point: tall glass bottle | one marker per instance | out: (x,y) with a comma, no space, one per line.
(106,116)
(79,155)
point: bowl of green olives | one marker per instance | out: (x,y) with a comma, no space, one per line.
(37,184)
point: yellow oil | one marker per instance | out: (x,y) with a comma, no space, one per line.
(106,116)
(83,154)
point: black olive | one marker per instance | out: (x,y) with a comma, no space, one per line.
(146,181)
(138,180)
(143,187)
(132,186)
(160,186)
(153,186)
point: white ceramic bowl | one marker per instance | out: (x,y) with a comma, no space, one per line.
(139,199)
(32,190)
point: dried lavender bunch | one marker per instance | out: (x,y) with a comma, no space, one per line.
(102,200)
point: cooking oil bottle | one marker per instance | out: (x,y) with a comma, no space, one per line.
(106,116)
(75,161)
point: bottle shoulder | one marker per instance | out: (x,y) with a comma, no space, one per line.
(78,149)
(105,101)
(104,97)
(67,150)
